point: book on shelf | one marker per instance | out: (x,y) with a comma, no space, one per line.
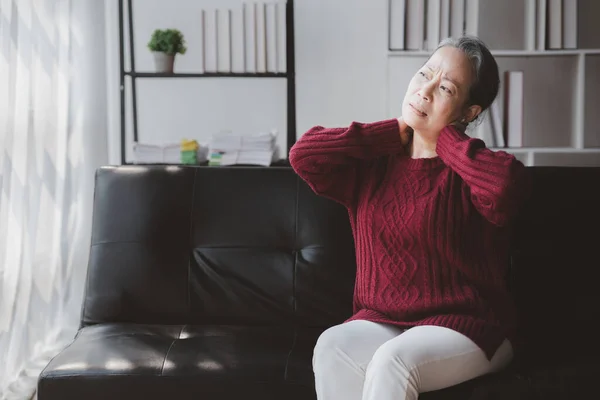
(559,18)
(541,12)
(472,17)
(271,35)
(397,10)
(457,17)
(483,131)
(505,129)
(569,15)
(444,19)
(555,26)
(236,33)
(281,36)
(419,24)
(432,37)
(250,38)
(490,128)
(249,14)
(415,24)
(223,40)
(530,23)
(513,108)
(261,37)
(503,25)
(202,40)
(497,125)
(210,50)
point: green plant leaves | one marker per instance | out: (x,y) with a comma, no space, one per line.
(170,41)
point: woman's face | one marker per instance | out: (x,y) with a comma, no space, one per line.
(437,94)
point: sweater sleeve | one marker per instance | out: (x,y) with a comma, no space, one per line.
(497,180)
(328,159)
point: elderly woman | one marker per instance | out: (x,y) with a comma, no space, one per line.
(430,209)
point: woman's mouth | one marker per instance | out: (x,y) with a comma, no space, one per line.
(419,112)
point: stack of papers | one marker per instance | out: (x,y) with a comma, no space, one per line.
(156,154)
(171,153)
(235,149)
(247,157)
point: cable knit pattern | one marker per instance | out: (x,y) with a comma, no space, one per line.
(431,234)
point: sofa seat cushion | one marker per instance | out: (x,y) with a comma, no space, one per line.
(187,360)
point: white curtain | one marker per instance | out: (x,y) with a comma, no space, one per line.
(52,139)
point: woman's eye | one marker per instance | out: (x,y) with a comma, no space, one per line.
(422,74)
(445,89)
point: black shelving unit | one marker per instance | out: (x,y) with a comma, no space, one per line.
(289,75)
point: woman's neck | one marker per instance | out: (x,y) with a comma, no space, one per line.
(421,148)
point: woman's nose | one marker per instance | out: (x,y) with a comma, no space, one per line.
(425,92)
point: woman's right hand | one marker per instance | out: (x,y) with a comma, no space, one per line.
(405,131)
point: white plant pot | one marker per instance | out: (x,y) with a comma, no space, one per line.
(164,62)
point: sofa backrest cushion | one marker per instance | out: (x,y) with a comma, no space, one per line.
(228,245)
(556,263)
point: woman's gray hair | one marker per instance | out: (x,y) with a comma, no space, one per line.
(484,88)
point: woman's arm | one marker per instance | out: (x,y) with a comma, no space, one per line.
(498,181)
(328,159)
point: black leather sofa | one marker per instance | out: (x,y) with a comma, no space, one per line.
(215,282)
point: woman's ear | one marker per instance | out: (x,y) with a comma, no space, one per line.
(471,113)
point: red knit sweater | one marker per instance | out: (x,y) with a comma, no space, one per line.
(431,234)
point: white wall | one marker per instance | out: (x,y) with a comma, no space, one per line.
(341,74)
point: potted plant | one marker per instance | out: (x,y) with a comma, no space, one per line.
(165,45)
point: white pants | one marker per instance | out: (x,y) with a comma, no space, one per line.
(369,361)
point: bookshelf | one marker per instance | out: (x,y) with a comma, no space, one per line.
(129,76)
(561,68)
